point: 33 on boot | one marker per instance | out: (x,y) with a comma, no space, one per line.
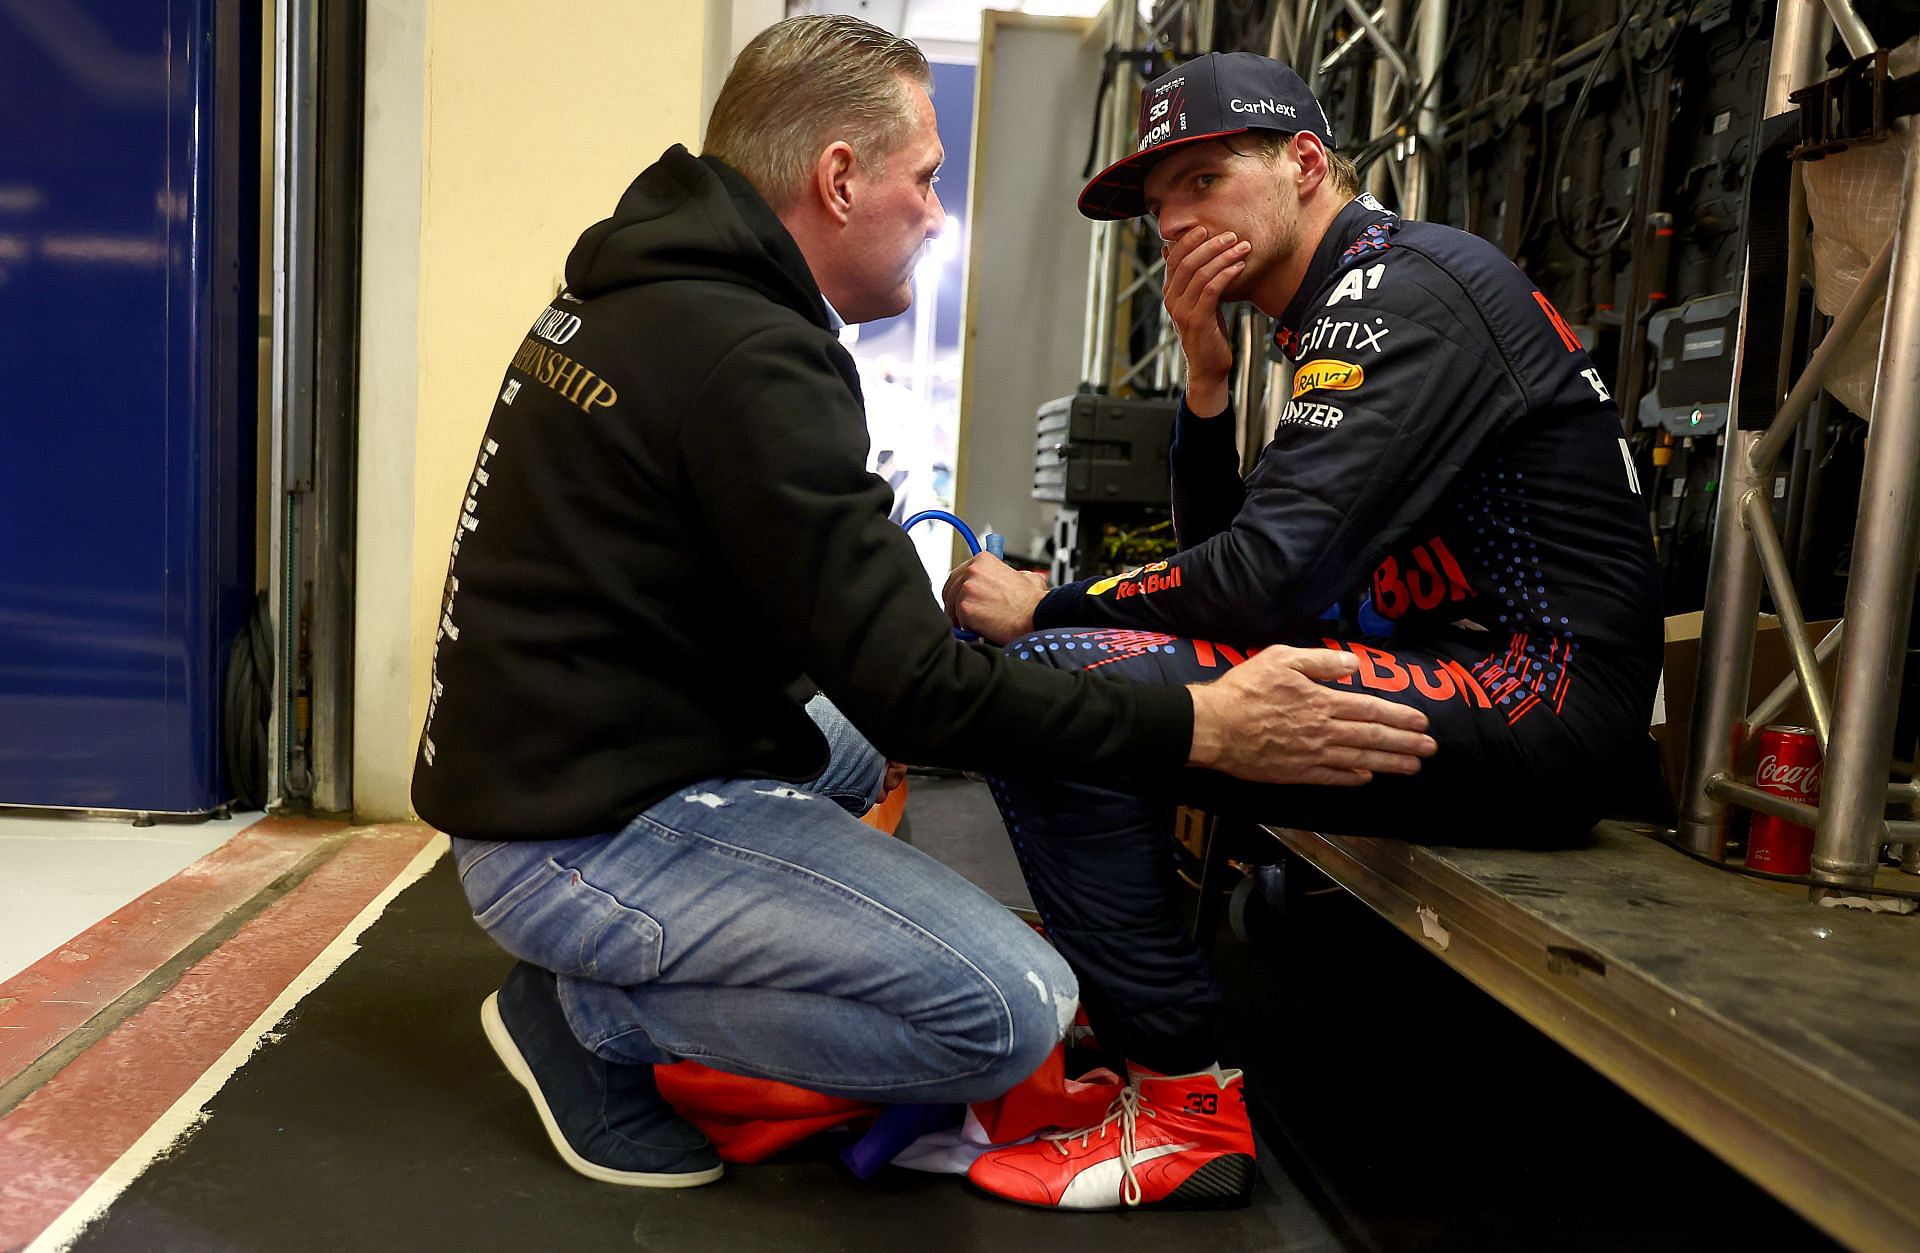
(1167,1142)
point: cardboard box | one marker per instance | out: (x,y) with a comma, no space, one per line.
(1673,712)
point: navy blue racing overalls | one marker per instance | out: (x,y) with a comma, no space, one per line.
(1449,476)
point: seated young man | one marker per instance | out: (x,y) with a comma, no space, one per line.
(1450,454)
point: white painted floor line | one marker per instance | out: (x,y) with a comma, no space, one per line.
(186,1115)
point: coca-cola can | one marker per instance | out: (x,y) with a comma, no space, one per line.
(1789,766)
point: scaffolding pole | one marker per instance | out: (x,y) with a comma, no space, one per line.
(1733,574)
(1855,726)
(1879,601)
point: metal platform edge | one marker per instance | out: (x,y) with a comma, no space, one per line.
(1844,1163)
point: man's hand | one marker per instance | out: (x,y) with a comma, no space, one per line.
(1199,268)
(987,595)
(1270,721)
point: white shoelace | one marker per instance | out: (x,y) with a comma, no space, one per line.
(1126,1110)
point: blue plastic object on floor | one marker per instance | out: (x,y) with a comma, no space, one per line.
(893,1130)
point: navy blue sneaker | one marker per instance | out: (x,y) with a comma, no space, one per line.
(608,1120)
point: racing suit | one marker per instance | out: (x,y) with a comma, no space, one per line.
(1448,470)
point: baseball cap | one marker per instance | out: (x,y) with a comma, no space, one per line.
(1219,94)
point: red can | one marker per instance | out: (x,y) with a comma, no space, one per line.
(1789,766)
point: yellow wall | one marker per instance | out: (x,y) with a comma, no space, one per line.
(497,130)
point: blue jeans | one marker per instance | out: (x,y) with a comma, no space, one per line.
(760,928)
(854,767)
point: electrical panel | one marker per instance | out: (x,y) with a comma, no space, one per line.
(1102,450)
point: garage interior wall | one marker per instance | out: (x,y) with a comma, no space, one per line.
(495,133)
(1026,286)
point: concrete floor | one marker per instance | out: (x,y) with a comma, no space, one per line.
(59,876)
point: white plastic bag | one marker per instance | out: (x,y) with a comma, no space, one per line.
(1853,198)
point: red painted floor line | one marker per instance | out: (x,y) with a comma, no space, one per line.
(59,1140)
(43,1003)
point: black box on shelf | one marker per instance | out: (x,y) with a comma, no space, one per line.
(1102,450)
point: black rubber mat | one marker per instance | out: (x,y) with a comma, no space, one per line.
(380,1120)
(1405,1111)
(953,820)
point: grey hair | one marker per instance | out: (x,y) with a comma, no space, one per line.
(804,83)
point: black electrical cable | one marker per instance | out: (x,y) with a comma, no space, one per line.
(1633,92)
(1574,115)
(1099,109)
(1485,60)
(1535,96)
(245,706)
(1379,145)
(1419,92)
(1538,197)
(1466,130)
(1666,56)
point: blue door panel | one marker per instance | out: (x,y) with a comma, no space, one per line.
(126,462)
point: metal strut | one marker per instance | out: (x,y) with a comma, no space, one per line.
(1855,724)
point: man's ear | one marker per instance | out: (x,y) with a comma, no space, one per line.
(1311,153)
(833,179)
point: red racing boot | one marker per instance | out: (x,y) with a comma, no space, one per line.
(1167,1142)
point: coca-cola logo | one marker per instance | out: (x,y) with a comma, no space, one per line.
(1801,780)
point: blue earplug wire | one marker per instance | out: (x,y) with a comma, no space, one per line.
(941,515)
(996,545)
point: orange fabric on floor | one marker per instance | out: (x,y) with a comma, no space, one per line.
(1047,1100)
(886,816)
(749,1120)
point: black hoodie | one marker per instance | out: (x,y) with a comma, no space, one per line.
(670,522)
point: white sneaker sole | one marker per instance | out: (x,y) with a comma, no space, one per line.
(509,1054)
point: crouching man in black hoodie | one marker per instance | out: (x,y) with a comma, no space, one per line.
(668,525)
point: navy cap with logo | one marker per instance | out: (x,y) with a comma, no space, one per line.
(1222,93)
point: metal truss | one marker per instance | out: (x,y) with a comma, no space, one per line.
(1130,346)
(1855,722)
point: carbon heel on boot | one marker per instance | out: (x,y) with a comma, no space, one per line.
(1223,1183)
